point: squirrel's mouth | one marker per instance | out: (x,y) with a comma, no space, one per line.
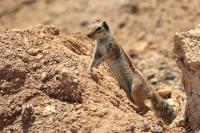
(91,36)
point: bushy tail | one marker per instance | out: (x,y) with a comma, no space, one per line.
(163,109)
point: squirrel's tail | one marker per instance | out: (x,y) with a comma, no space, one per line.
(163,109)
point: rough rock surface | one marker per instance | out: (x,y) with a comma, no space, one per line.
(45,86)
(187,47)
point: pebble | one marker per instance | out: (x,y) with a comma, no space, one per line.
(44,76)
(164,92)
(150,75)
(39,56)
(169,75)
(145,127)
(27,113)
(75,80)
(33,51)
(64,71)
(131,7)
(34,66)
(154,80)
(76,72)
(84,23)
(156,129)
(49,109)
(171,102)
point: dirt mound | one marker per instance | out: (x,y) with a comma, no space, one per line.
(45,86)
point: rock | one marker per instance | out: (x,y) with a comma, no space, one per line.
(27,115)
(145,127)
(76,72)
(164,92)
(131,7)
(33,51)
(44,76)
(172,102)
(187,47)
(141,46)
(169,75)
(75,80)
(151,75)
(53,30)
(49,109)
(156,129)
(154,80)
(84,23)
(162,65)
(64,71)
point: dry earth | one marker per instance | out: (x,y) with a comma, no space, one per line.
(44,84)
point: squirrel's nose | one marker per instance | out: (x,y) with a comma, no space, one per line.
(90,36)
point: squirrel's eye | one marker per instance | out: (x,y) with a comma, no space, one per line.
(98,29)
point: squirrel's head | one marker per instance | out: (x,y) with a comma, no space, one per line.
(98,30)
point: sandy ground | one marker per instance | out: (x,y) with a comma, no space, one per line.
(44,83)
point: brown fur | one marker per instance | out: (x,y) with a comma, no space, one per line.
(140,86)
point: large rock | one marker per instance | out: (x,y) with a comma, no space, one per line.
(187,47)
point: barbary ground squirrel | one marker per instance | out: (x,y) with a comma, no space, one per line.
(128,76)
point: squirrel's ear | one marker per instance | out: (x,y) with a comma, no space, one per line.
(105,25)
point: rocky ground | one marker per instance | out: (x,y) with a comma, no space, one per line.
(44,84)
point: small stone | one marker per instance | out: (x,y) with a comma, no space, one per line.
(64,71)
(162,65)
(39,56)
(164,92)
(169,75)
(45,62)
(44,76)
(57,77)
(131,7)
(171,102)
(156,129)
(142,46)
(145,127)
(154,80)
(16,30)
(102,114)
(77,107)
(53,30)
(75,80)
(141,36)
(33,51)
(132,127)
(74,129)
(76,72)
(34,66)
(49,109)
(24,59)
(150,75)
(27,114)
(84,23)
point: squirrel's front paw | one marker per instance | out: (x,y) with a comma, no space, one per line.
(90,71)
